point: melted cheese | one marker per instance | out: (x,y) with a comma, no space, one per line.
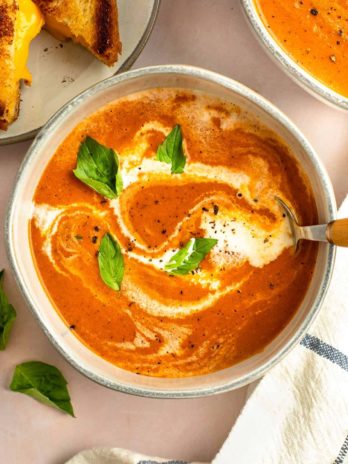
(28,24)
(58,29)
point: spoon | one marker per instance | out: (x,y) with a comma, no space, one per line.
(335,232)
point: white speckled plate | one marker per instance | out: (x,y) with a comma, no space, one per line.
(62,70)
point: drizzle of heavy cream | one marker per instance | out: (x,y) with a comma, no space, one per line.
(247,239)
(241,236)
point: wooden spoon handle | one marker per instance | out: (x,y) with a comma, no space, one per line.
(337,232)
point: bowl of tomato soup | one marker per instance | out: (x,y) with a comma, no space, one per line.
(144,233)
(308,40)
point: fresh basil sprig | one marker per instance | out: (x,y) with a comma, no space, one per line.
(111,262)
(7,315)
(190,256)
(171,151)
(98,167)
(43,382)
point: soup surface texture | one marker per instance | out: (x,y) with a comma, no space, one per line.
(244,291)
(315,34)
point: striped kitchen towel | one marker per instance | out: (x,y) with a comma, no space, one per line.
(298,413)
(117,456)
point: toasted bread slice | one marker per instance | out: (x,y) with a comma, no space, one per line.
(9,86)
(92,23)
(20,22)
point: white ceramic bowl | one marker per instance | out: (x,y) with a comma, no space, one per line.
(296,72)
(44,146)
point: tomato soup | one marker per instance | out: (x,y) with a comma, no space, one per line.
(314,34)
(247,287)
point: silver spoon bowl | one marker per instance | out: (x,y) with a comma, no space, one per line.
(335,232)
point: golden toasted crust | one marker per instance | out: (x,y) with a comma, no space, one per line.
(94,24)
(9,86)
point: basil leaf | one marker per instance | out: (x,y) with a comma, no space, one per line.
(43,382)
(7,316)
(189,257)
(171,151)
(111,262)
(98,167)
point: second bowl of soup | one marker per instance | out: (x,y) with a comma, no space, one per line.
(308,40)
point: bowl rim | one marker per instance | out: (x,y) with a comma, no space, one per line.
(263,104)
(134,55)
(299,74)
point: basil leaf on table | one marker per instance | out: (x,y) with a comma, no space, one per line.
(171,151)
(111,262)
(43,382)
(7,315)
(98,167)
(190,256)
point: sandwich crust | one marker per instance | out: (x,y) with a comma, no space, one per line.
(93,24)
(9,86)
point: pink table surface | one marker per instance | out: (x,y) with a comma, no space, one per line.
(214,35)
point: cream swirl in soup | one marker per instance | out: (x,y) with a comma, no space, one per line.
(243,292)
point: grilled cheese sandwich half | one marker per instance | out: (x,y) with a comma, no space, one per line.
(93,24)
(20,22)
